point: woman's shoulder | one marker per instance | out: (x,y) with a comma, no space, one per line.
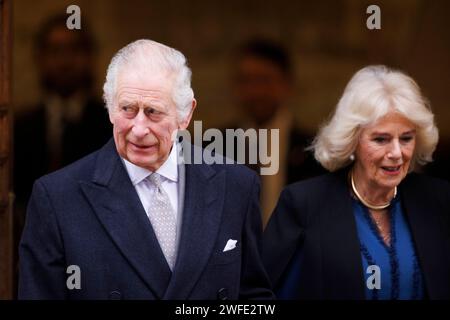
(320,183)
(300,195)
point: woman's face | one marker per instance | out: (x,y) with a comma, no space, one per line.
(383,154)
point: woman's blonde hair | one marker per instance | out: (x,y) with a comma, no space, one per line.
(373,92)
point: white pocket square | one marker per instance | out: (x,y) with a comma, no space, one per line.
(231,244)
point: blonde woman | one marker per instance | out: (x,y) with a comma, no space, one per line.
(371,228)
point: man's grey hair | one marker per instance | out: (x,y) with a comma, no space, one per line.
(147,56)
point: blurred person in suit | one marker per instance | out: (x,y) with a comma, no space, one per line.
(67,123)
(262,85)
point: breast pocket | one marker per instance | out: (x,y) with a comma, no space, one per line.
(230,256)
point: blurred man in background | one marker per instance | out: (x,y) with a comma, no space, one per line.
(53,132)
(263,81)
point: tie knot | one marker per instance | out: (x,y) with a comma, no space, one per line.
(155,179)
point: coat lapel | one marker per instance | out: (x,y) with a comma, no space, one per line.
(340,242)
(422,213)
(203,206)
(117,206)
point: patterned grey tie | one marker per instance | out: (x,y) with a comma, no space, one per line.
(162,217)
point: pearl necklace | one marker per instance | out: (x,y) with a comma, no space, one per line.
(368,205)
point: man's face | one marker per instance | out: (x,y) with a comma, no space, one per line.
(65,64)
(260,88)
(145,118)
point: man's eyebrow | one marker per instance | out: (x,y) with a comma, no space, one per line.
(126,102)
(150,103)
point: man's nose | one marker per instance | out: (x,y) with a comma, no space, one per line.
(141,125)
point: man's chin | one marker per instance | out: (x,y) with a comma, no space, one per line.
(142,161)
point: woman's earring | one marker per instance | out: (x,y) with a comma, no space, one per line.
(352,157)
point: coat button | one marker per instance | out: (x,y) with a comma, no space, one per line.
(115,295)
(222,294)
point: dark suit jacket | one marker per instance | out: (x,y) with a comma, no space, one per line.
(31,151)
(89,214)
(312,238)
(440,168)
(301,163)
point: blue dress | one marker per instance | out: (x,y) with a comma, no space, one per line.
(401,276)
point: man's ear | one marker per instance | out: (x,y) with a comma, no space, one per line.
(110,117)
(185,123)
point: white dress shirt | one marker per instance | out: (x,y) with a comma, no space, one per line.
(169,174)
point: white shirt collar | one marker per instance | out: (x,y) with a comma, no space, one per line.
(168,170)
